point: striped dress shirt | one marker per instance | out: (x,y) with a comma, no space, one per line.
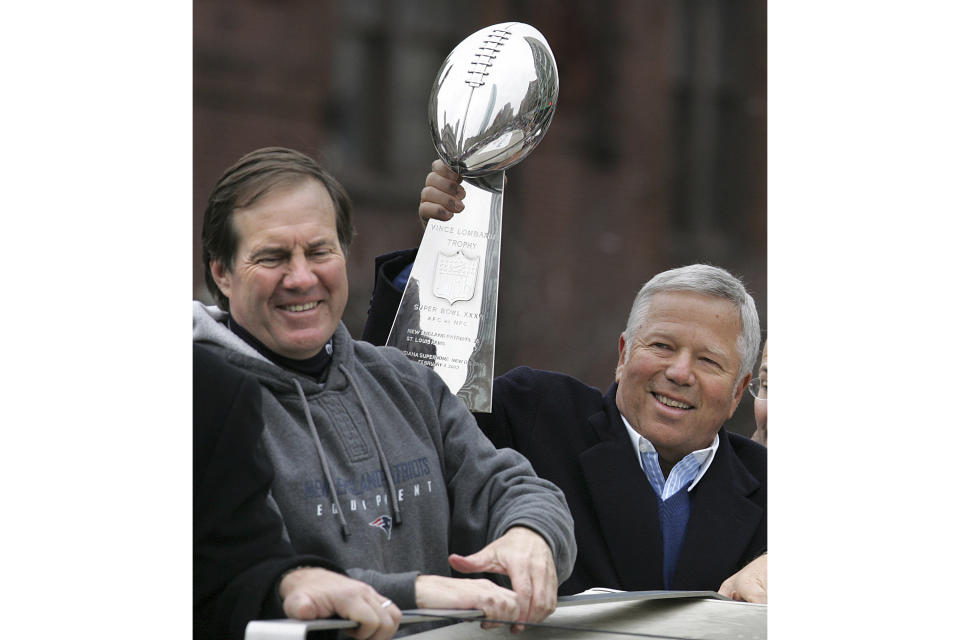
(687,471)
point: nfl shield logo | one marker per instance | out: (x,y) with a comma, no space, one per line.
(455,277)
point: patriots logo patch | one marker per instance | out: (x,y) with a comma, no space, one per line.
(385,523)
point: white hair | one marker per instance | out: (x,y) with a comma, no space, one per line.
(707,280)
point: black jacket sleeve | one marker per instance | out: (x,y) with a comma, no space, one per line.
(239,553)
(386,297)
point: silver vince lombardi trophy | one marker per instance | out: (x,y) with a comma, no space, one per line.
(490,105)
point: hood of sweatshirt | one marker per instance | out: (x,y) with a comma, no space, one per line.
(210,327)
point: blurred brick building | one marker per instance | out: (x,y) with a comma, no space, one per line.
(656,156)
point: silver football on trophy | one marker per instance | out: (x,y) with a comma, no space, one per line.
(493,99)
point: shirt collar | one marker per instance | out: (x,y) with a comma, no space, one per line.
(314,367)
(695,463)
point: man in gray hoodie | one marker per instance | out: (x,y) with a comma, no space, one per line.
(378,466)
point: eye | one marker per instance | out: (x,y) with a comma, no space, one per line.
(660,345)
(712,363)
(268,261)
(319,253)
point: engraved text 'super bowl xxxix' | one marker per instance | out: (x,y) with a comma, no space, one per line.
(493,99)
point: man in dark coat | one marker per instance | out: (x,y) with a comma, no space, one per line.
(243,569)
(662,495)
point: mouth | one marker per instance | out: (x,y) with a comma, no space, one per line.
(299,308)
(670,402)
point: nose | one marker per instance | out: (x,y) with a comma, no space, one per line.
(680,369)
(299,275)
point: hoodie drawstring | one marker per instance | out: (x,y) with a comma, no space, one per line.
(323,460)
(384,466)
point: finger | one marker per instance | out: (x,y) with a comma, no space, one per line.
(434,196)
(535,581)
(446,184)
(726,589)
(496,603)
(752,592)
(389,621)
(438,166)
(505,607)
(367,616)
(481,561)
(522,586)
(441,207)
(429,210)
(543,600)
(300,606)
(389,630)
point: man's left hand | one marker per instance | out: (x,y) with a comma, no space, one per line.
(524,556)
(749,584)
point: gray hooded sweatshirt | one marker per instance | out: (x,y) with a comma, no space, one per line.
(448,490)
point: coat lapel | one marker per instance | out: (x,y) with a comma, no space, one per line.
(625,504)
(723,520)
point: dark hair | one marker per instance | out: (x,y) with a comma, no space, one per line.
(249,179)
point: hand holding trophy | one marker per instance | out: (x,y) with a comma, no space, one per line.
(491,104)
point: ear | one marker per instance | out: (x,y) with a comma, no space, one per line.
(621,360)
(222,276)
(738,393)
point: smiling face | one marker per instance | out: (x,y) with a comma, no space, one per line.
(288,284)
(678,385)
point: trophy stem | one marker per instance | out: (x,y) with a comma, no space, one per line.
(447,317)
